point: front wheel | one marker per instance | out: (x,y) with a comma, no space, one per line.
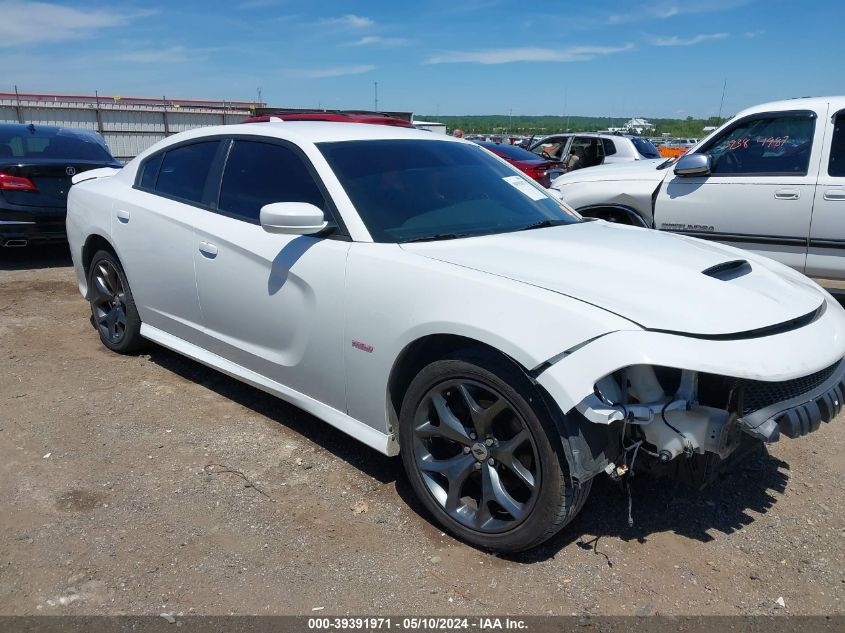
(483,455)
(113,310)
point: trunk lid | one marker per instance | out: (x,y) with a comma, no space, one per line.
(51,178)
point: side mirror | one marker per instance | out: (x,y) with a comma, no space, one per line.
(292,218)
(693,165)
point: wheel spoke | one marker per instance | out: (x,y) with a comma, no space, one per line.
(518,469)
(482,417)
(493,490)
(449,428)
(456,470)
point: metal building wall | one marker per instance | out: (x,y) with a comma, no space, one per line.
(128,128)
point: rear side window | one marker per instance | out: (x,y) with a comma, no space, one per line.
(645,147)
(60,144)
(258,173)
(609,147)
(184,170)
(766,145)
(150,172)
(836,166)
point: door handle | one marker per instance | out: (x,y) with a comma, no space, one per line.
(123,216)
(208,250)
(787,194)
(834,194)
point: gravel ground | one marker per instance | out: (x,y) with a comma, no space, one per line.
(150,484)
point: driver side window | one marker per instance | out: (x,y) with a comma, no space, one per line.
(768,145)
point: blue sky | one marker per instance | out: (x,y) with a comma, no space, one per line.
(652,58)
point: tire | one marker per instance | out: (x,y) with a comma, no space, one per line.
(113,311)
(507,491)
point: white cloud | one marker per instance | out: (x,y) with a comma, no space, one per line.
(331,71)
(349,21)
(527,54)
(664,9)
(692,41)
(752,34)
(377,40)
(40,22)
(174,54)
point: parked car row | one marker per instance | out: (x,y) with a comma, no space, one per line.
(431,299)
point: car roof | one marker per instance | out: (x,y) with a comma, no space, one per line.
(25,128)
(317,132)
(803,103)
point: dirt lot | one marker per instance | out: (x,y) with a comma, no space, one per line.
(152,484)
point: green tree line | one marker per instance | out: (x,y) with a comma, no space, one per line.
(542,125)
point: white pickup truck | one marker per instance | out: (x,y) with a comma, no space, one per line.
(770,180)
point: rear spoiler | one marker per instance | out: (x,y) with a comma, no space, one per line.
(92,174)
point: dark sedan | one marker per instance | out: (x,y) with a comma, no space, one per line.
(36,166)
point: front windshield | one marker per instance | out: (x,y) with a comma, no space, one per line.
(411,190)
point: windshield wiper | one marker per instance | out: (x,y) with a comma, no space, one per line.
(543,224)
(665,163)
(437,237)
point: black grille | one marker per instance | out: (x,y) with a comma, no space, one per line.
(758,394)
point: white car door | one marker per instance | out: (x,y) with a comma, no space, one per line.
(153,230)
(827,231)
(759,194)
(272,303)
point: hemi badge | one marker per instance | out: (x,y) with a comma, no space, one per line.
(362,346)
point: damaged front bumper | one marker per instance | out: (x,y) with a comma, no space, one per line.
(786,383)
(804,411)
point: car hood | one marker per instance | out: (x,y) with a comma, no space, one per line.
(633,170)
(651,278)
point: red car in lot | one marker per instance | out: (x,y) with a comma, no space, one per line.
(528,162)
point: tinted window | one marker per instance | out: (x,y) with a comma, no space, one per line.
(260,173)
(150,172)
(184,170)
(511,151)
(645,147)
(766,145)
(412,189)
(34,142)
(609,147)
(836,166)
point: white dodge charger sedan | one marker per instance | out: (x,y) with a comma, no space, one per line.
(426,298)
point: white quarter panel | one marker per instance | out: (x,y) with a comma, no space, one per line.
(88,213)
(274,304)
(773,358)
(395,297)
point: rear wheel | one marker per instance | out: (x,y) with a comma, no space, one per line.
(483,455)
(113,310)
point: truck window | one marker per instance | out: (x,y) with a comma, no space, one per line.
(777,144)
(836,164)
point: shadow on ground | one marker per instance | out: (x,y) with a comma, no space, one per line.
(35,257)
(658,505)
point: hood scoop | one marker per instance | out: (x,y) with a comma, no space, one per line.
(728,270)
